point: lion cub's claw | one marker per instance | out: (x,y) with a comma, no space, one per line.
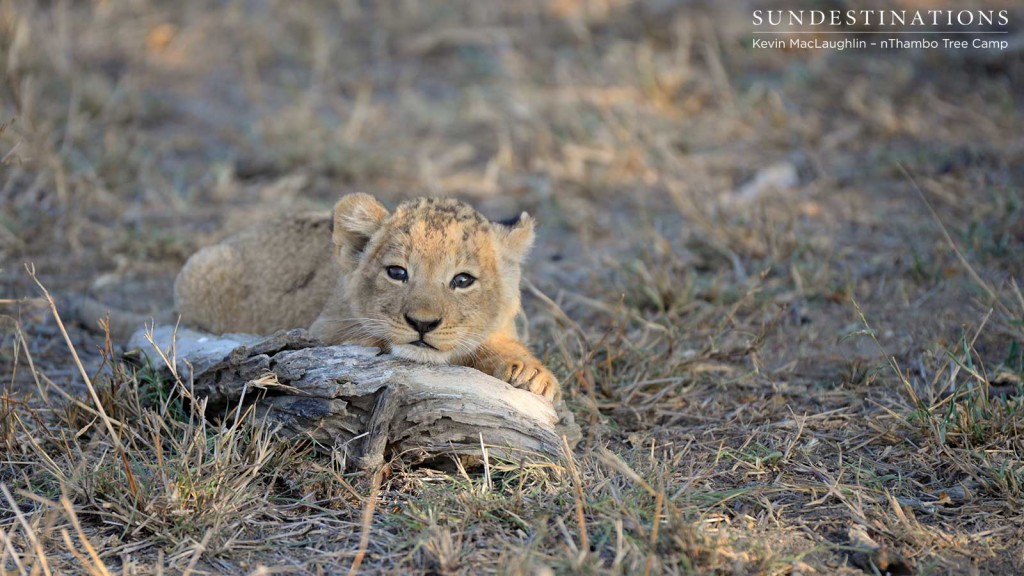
(531,375)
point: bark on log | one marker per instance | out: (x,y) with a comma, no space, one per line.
(358,400)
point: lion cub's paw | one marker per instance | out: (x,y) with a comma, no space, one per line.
(529,374)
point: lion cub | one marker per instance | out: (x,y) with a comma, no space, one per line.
(434,281)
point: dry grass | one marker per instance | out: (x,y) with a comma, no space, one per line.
(787,356)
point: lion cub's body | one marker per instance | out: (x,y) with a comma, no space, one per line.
(274,276)
(434,282)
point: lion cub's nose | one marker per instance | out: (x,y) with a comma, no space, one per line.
(422,326)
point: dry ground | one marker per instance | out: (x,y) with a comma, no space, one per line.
(781,358)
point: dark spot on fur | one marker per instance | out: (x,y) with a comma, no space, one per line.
(438,215)
(404,226)
(302,283)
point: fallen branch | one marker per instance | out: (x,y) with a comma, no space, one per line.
(360,401)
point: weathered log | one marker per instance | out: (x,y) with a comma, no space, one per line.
(359,400)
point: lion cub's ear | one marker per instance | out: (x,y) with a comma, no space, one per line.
(516,237)
(356,218)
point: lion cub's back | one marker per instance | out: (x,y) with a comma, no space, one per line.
(276,275)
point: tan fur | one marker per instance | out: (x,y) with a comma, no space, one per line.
(295,273)
(270,277)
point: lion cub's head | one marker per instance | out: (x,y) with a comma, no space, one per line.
(432,280)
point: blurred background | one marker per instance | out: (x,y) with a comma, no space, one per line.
(138,131)
(709,211)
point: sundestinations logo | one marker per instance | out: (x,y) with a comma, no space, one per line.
(882,29)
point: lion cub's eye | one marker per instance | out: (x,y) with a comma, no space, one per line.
(462,281)
(397,273)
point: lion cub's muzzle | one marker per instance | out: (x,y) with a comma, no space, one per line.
(422,327)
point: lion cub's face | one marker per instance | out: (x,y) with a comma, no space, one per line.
(432,280)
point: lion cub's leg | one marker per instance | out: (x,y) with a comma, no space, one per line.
(508,359)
